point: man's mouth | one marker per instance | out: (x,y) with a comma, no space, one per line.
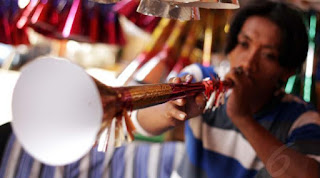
(250,76)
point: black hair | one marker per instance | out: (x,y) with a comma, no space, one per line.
(294,38)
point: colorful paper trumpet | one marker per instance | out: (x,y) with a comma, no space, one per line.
(60,112)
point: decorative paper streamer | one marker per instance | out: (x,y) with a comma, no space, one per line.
(209,4)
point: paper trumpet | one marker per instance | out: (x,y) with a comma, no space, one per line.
(59,111)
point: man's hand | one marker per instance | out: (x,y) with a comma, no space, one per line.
(189,107)
(241,102)
(159,118)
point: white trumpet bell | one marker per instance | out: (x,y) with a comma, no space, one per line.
(57,127)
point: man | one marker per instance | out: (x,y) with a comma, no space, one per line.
(260,131)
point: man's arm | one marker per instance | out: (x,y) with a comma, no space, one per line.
(157,119)
(280,161)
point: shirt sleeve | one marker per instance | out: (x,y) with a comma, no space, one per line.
(199,72)
(139,128)
(304,135)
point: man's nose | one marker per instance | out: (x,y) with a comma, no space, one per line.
(250,64)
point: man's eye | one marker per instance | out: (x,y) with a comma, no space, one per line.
(243,44)
(270,56)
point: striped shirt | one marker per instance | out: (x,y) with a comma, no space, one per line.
(216,148)
(135,160)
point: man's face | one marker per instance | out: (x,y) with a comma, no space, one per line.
(257,52)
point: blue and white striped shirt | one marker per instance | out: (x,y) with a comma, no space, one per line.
(216,148)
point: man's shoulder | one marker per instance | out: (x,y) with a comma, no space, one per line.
(199,71)
(295,106)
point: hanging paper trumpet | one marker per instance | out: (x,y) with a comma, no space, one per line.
(79,20)
(8,31)
(128,9)
(183,9)
(60,112)
(160,8)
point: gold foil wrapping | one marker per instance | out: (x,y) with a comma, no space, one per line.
(148,95)
(160,8)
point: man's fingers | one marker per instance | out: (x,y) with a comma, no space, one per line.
(177,114)
(238,70)
(235,75)
(174,80)
(187,78)
(200,100)
(179,102)
(230,76)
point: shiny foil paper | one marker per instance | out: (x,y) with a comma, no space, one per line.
(128,9)
(164,9)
